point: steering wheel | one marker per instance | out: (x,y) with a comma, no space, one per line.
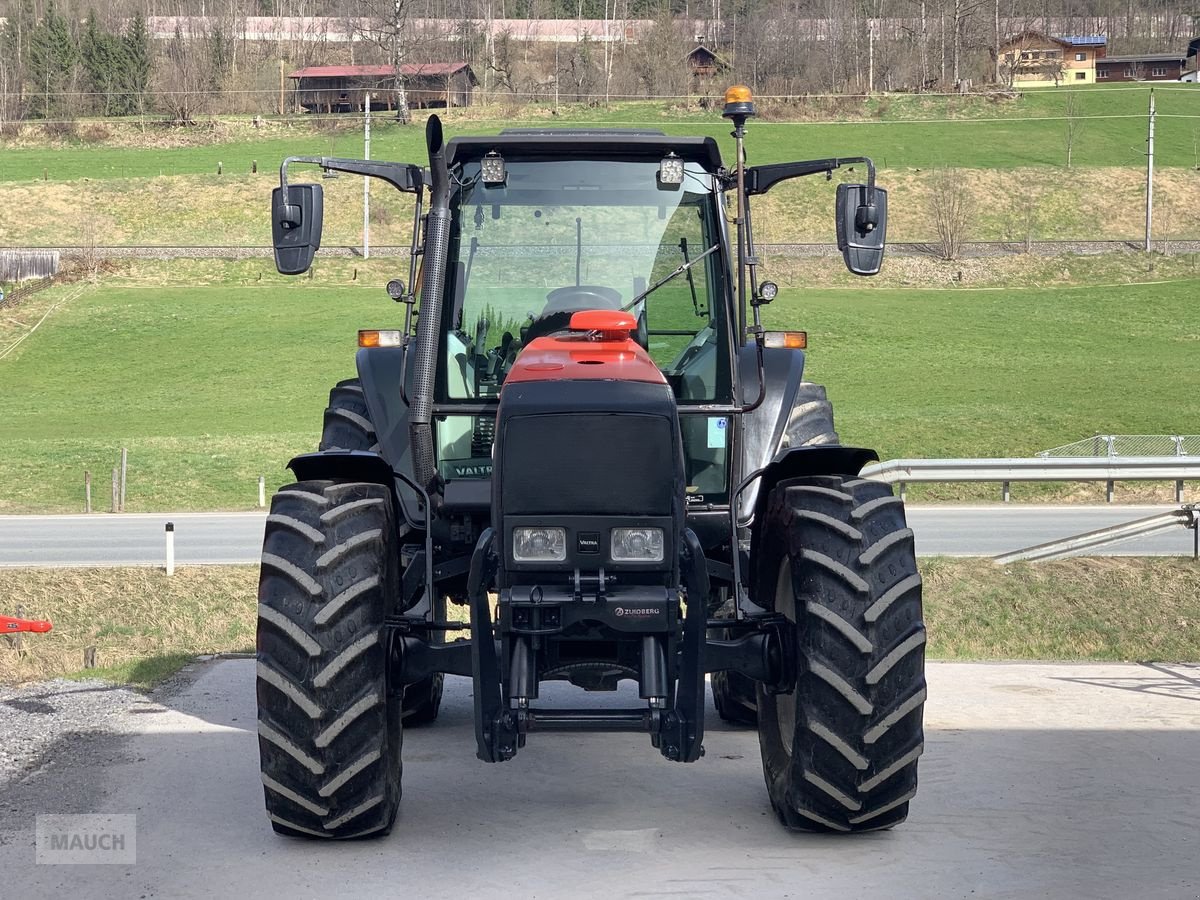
(576,297)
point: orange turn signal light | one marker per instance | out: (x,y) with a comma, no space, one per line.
(786,340)
(374,338)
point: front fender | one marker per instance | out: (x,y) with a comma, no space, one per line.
(380,370)
(799,462)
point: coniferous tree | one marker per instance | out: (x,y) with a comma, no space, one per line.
(104,62)
(139,65)
(53,56)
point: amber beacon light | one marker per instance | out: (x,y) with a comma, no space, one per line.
(739,102)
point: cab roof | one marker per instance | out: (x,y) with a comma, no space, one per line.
(575,144)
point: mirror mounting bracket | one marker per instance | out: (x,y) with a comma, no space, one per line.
(760,179)
(403,177)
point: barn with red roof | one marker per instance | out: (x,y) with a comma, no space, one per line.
(433,85)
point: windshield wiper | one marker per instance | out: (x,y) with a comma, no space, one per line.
(684,267)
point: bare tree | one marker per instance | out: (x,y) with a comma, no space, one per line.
(185,82)
(1071,113)
(952,211)
(1024,217)
(388,24)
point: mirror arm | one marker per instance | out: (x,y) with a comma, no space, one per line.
(402,176)
(760,179)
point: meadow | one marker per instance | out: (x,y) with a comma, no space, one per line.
(898,131)
(144,626)
(119,182)
(215,373)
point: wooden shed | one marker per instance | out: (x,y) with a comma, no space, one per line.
(704,64)
(333,89)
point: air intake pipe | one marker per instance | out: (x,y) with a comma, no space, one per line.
(429,323)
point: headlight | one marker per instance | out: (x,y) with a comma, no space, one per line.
(539,544)
(637,545)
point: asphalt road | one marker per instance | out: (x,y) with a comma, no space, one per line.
(138,539)
(1059,781)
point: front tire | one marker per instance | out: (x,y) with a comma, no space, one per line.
(840,750)
(347,425)
(810,423)
(329,720)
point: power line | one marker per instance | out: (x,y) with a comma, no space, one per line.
(788,98)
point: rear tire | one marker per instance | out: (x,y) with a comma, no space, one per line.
(347,424)
(423,699)
(329,721)
(840,751)
(811,419)
(734,695)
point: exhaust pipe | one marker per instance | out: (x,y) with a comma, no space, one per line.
(437,239)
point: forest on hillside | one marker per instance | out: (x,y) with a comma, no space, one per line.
(181,59)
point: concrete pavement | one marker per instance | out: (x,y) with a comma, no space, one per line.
(1061,781)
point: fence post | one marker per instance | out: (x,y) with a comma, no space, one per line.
(16,640)
(170,548)
(87,491)
(1178,439)
(124,471)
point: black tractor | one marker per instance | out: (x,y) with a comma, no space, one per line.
(583,442)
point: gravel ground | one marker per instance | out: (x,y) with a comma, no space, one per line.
(36,717)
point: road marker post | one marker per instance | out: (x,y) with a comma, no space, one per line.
(170,548)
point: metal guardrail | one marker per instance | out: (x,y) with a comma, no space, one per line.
(1164,521)
(1005,471)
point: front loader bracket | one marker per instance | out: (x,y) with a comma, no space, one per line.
(682,736)
(495,726)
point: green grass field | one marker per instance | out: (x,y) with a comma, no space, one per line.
(212,374)
(145,626)
(898,131)
(160,188)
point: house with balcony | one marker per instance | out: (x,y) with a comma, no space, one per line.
(1034,59)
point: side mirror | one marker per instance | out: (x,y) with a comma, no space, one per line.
(861,227)
(296,227)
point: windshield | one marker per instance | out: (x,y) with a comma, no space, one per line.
(559,237)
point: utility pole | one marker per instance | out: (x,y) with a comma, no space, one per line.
(1150,172)
(870,56)
(366,180)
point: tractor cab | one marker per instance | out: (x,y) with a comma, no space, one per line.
(547,225)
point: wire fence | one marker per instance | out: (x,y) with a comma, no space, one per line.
(1118,445)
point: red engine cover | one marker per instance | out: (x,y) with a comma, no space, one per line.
(599,349)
